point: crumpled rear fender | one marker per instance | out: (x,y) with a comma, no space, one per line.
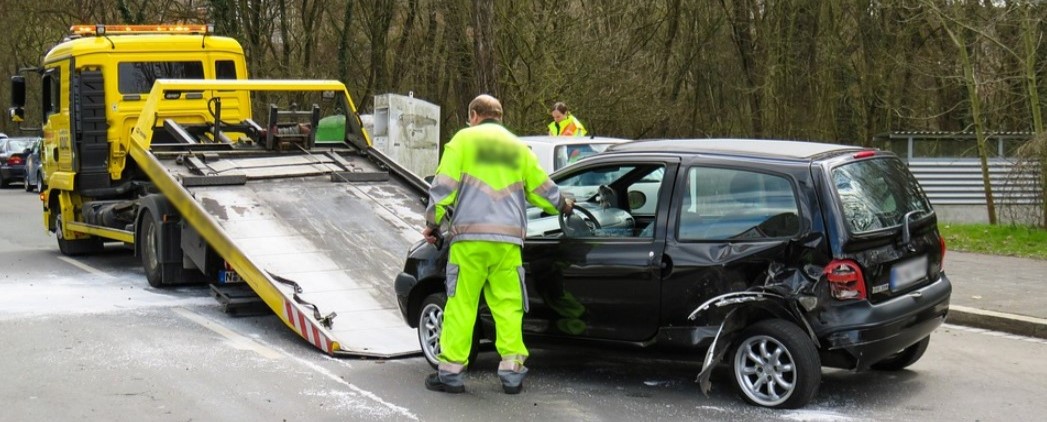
(742,309)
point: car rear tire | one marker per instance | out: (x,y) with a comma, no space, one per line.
(430,326)
(776,365)
(904,358)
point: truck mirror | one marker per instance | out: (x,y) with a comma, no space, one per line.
(17,114)
(18,92)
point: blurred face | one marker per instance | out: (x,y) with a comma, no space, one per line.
(557,116)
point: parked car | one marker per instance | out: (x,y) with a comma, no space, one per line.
(12,159)
(773,257)
(34,171)
(555,152)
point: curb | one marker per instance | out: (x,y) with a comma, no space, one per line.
(998,321)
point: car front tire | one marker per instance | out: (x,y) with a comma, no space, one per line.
(776,365)
(430,326)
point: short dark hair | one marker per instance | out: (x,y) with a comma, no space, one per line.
(486,107)
(560,106)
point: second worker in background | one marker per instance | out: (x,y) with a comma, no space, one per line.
(487,176)
(564,123)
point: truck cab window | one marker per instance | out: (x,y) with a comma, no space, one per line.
(225,69)
(138,77)
(51,93)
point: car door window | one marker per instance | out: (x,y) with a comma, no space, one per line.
(622,198)
(733,204)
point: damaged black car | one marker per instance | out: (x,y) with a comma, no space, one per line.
(776,258)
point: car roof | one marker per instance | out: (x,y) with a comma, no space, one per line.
(571,140)
(742,147)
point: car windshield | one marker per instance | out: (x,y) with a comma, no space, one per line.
(877,194)
(567,154)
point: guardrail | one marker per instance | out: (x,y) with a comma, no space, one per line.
(958,181)
(948,168)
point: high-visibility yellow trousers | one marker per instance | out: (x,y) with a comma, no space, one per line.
(495,268)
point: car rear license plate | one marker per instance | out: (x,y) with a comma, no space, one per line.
(906,273)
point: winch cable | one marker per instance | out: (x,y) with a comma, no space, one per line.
(327,321)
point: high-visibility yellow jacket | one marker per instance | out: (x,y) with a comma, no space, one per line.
(569,126)
(487,175)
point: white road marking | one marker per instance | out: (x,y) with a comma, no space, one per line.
(996,334)
(238,341)
(244,343)
(85,267)
(323,371)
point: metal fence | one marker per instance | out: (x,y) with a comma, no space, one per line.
(947,166)
(959,181)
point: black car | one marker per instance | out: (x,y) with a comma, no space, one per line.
(34,171)
(774,257)
(12,159)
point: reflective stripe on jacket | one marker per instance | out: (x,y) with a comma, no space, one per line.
(569,126)
(488,176)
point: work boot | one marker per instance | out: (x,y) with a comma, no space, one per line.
(447,382)
(512,373)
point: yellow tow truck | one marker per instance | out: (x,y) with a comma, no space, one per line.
(155,138)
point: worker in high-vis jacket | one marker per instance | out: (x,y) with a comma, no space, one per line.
(486,176)
(564,123)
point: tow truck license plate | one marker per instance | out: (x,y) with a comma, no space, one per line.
(906,273)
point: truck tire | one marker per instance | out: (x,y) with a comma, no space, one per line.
(74,247)
(158,274)
(776,365)
(430,325)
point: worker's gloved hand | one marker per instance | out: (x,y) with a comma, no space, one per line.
(568,208)
(431,235)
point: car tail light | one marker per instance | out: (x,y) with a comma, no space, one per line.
(14,160)
(845,280)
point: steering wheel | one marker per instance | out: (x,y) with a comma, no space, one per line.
(573,226)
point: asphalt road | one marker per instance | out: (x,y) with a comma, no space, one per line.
(88,339)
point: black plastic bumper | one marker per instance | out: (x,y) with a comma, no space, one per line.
(859,336)
(404,284)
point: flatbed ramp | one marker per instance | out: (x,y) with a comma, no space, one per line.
(319,248)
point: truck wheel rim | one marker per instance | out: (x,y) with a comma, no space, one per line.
(765,370)
(430,325)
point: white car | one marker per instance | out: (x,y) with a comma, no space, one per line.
(555,152)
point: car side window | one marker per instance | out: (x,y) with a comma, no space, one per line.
(611,201)
(732,204)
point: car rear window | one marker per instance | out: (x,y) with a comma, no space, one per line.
(18,145)
(877,194)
